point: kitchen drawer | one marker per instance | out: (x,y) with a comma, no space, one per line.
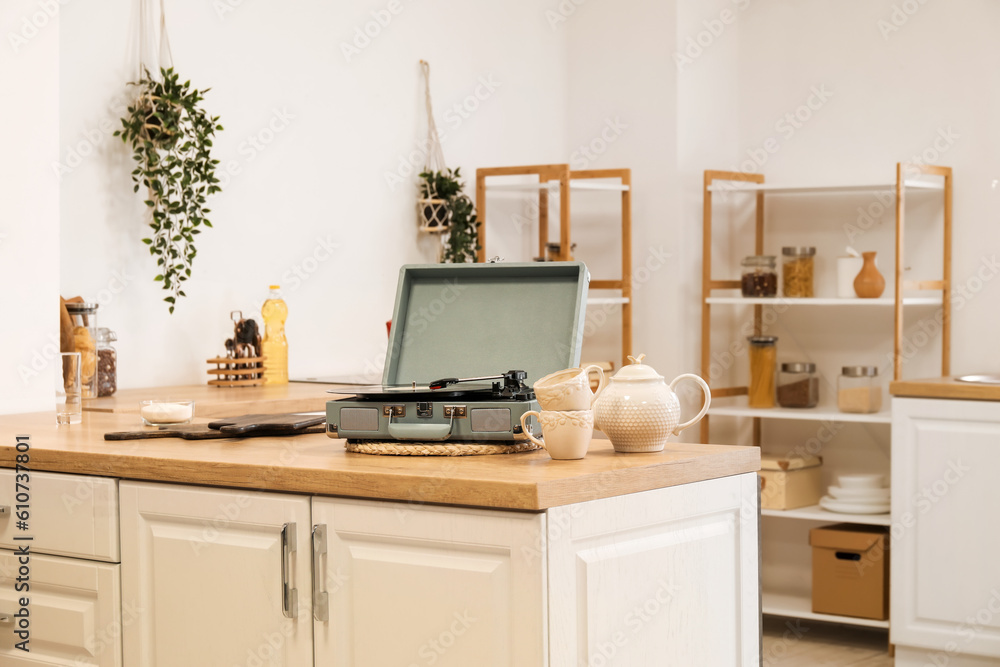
(70,515)
(75,612)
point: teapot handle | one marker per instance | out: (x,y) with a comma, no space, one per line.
(704,408)
(600,383)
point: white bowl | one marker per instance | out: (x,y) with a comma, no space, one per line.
(872,481)
(859,495)
(844,507)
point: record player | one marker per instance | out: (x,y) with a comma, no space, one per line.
(466,344)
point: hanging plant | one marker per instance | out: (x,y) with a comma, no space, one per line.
(460,214)
(171,141)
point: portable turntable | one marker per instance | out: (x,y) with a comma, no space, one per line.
(466,345)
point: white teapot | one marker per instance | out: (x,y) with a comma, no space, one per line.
(638,411)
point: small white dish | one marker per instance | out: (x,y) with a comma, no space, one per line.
(868,481)
(859,495)
(843,507)
(166,412)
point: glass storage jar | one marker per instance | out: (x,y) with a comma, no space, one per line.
(759,276)
(798,385)
(107,362)
(83,316)
(797,271)
(763,359)
(859,389)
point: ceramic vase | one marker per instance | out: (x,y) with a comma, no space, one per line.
(869,283)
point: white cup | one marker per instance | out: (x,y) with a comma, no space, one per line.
(567,433)
(568,389)
(848,269)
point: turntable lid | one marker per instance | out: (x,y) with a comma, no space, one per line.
(469,320)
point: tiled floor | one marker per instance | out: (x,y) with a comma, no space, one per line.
(793,643)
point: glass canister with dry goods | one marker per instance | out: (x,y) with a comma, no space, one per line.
(759,276)
(763,362)
(859,389)
(798,385)
(797,269)
(83,316)
(107,362)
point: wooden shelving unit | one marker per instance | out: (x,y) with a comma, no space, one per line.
(558,180)
(907,294)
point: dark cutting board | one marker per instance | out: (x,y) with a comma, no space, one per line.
(232,427)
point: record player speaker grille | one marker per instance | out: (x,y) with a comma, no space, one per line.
(490,420)
(359,419)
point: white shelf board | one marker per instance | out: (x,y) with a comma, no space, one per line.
(606,301)
(812,414)
(820,301)
(817,513)
(578,184)
(793,606)
(776,188)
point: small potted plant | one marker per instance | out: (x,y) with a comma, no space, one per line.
(445,208)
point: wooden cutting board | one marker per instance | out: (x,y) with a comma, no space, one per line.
(245,426)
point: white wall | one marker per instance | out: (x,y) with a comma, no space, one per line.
(310,208)
(29,210)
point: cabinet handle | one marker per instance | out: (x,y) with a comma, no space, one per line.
(321,599)
(289,595)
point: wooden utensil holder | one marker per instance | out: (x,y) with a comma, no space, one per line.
(237,372)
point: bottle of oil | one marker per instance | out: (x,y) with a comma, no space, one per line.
(275,346)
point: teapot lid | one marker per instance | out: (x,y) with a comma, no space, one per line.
(637,370)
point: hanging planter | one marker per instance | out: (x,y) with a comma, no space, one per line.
(171,139)
(442,206)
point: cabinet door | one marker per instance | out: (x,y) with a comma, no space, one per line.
(414,586)
(945,592)
(74,612)
(663,577)
(207,571)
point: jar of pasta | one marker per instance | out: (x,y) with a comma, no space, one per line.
(83,315)
(797,271)
(763,362)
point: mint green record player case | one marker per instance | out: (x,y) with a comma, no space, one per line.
(468,320)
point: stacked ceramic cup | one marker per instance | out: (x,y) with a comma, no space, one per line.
(567,415)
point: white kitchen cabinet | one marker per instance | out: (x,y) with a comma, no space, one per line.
(413,585)
(75,612)
(220,577)
(640,580)
(945,595)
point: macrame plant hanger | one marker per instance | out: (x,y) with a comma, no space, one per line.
(433,213)
(152,50)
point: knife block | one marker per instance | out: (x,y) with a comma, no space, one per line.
(236,372)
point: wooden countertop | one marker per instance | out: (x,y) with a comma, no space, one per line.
(316,464)
(945,387)
(213,401)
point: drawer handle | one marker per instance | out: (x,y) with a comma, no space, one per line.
(289,595)
(321,599)
(4,510)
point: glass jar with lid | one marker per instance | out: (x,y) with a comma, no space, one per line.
(763,358)
(107,362)
(759,276)
(798,385)
(859,389)
(83,316)
(797,264)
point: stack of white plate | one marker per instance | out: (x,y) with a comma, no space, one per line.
(857,494)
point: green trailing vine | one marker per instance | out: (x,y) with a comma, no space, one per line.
(463,225)
(171,141)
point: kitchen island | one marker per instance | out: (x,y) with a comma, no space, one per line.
(292,551)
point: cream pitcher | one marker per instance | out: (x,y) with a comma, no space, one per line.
(638,411)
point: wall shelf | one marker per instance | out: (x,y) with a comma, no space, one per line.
(574,184)
(817,513)
(777,189)
(806,414)
(934,300)
(793,606)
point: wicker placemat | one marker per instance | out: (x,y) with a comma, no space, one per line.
(436,448)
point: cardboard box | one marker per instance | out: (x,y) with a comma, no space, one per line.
(850,570)
(790,482)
